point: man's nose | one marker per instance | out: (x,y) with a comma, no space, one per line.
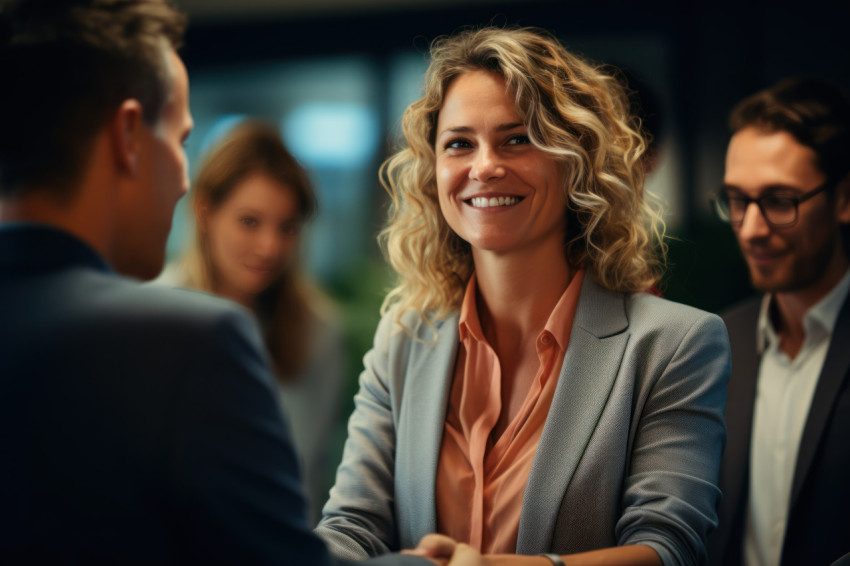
(754,224)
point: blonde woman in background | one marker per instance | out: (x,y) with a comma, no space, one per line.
(250,202)
(524,394)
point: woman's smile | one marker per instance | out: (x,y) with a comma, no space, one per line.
(493,201)
(497,190)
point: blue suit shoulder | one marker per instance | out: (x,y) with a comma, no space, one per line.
(109,309)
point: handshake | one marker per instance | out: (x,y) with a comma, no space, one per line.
(445,551)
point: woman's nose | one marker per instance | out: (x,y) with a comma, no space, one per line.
(268,244)
(486,165)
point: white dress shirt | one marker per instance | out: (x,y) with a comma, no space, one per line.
(783,395)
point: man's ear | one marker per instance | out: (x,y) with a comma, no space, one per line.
(842,200)
(127,127)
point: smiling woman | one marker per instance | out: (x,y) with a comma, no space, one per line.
(250,202)
(524,395)
(497,191)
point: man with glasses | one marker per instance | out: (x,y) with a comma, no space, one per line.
(786,469)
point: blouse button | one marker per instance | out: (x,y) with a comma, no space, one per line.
(546,339)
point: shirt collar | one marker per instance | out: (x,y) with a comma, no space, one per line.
(558,325)
(560,322)
(822,315)
(469,324)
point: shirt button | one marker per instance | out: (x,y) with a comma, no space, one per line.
(546,339)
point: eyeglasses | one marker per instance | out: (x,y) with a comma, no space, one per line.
(779,211)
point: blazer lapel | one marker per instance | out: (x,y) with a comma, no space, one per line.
(420,428)
(740,400)
(597,343)
(835,368)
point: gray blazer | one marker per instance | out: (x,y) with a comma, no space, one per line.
(629,453)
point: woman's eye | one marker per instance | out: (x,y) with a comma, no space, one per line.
(249,221)
(519,139)
(290,228)
(458,143)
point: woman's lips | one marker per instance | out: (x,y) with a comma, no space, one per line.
(493,201)
(259,270)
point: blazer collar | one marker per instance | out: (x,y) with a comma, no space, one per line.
(600,312)
(735,471)
(590,367)
(836,368)
(420,428)
(33,246)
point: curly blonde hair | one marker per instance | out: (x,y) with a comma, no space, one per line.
(574,111)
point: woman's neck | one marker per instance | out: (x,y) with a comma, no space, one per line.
(517,293)
(246,300)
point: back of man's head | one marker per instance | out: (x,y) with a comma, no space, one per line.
(69,65)
(816,113)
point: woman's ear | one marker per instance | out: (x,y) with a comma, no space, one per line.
(202,212)
(127,128)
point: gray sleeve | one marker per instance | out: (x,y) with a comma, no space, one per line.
(359,518)
(311,403)
(670,494)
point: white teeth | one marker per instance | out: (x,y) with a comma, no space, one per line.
(484,202)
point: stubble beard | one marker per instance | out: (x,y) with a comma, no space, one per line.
(801,274)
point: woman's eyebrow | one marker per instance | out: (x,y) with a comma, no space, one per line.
(467,129)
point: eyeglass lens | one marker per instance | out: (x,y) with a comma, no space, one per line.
(776,210)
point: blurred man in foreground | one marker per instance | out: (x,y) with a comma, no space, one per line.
(139,423)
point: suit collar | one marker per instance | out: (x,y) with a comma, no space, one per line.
(836,368)
(590,367)
(39,246)
(422,420)
(820,318)
(600,312)
(735,471)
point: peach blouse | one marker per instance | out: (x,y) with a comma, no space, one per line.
(480,484)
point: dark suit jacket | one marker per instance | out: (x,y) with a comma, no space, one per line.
(818,530)
(138,423)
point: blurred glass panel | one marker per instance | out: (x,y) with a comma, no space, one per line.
(407,77)
(331,134)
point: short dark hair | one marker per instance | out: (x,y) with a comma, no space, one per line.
(69,64)
(816,113)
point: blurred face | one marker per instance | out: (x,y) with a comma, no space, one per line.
(147,208)
(794,258)
(496,190)
(252,236)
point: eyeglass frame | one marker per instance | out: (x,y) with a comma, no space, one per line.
(795,200)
